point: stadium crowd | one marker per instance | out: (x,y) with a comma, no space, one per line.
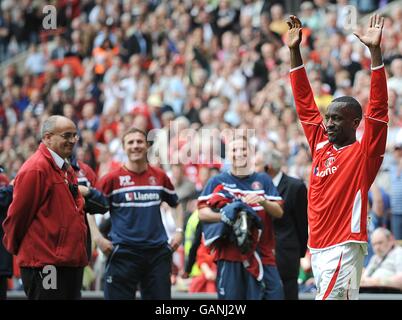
(204,66)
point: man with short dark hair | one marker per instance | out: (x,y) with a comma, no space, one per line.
(343,168)
(141,254)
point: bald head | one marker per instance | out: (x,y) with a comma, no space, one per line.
(51,123)
(381,233)
(382,241)
(59,134)
(273,159)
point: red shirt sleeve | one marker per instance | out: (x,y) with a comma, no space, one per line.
(376,118)
(306,108)
(3,180)
(89,173)
(169,193)
(105,185)
(30,189)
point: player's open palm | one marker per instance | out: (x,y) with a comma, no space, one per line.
(372,36)
(294,33)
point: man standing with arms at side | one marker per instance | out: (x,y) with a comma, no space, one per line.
(291,231)
(45,222)
(141,254)
(343,168)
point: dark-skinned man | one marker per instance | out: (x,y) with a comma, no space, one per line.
(343,168)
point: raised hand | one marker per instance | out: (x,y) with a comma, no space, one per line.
(294,33)
(372,37)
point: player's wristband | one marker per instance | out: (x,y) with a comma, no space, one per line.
(179,230)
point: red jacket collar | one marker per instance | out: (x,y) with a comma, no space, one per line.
(46,153)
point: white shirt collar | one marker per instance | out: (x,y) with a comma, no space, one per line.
(59,160)
(277,178)
(337,149)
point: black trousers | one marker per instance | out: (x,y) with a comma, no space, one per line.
(127,268)
(3,287)
(288,263)
(39,286)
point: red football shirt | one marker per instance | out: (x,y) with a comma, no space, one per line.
(340,178)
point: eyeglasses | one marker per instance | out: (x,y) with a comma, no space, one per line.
(68,135)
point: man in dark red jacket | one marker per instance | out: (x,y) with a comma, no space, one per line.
(45,225)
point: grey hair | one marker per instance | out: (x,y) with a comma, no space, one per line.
(383,231)
(48,125)
(274,159)
(182,121)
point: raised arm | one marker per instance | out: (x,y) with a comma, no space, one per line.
(376,115)
(293,41)
(378,102)
(372,39)
(306,107)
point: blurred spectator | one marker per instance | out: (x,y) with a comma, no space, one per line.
(309,17)
(103,56)
(395,82)
(185,189)
(90,120)
(225,17)
(60,50)
(306,278)
(206,281)
(364,6)
(278,24)
(291,230)
(36,61)
(137,43)
(385,267)
(377,210)
(36,106)
(396,192)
